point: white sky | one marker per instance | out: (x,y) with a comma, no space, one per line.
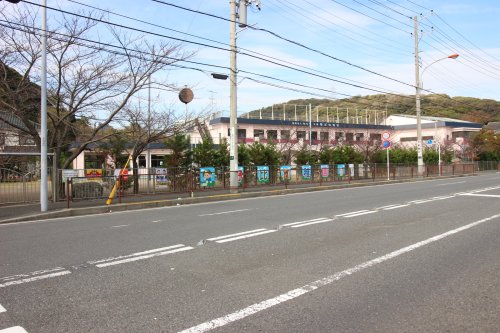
(373,34)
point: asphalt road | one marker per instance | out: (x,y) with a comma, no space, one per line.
(408,257)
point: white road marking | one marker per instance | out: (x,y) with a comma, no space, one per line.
(306,221)
(482,195)
(450,183)
(418,202)
(310,223)
(123,261)
(237,234)
(2,309)
(25,275)
(443,197)
(356,212)
(227,212)
(261,306)
(34,278)
(15,329)
(120,226)
(361,213)
(244,236)
(396,206)
(135,254)
(156,221)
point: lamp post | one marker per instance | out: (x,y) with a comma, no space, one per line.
(418,87)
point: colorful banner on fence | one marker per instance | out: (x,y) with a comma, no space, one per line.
(325,171)
(341,170)
(306,172)
(207,177)
(93,173)
(262,174)
(161,176)
(286,172)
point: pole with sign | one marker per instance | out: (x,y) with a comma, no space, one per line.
(387,145)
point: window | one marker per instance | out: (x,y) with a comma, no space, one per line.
(301,135)
(272,135)
(285,135)
(349,137)
(2,139)
(323,136)
(339,136)
(258,133)
(360,136)
(375,137)
(242,133)
(314,136)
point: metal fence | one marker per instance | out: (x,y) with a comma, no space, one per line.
(17,187)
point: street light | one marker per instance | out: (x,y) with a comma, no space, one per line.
(418,87)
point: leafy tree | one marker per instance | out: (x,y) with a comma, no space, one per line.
(486,145)
(181,155)
(264,154)
(203,153)
(306,156)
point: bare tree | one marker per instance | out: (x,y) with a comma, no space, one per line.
(88,79)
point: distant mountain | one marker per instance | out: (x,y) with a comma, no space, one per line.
(439,105)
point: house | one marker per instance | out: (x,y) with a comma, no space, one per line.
(13,139)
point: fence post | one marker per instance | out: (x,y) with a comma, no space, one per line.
(68,190)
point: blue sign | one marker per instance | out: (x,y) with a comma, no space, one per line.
(263,174)
(429,142)
(386,144)
(207,177)
(306,172)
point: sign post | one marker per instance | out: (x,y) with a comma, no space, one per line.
(430,143)
(387,145)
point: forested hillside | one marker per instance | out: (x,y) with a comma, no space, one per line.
(464,108)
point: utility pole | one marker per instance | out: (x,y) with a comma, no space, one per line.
(233,125)
(233,113)
(420,159)
(44,190)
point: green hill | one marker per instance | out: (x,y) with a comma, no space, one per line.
(439,105)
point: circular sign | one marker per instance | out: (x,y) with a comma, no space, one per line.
(386,135)
(186,95)
(429,142)
(386,144)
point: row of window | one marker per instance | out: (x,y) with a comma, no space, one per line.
(321,136)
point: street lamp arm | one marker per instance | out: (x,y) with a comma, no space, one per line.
(453,56)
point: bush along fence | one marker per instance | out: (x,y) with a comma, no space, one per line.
(95,184)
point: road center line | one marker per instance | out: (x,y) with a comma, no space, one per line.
(227,212)
(306,221)
(310,223)
(160,249)
(360,213)
(2,309)
(123,261)
(292,294)
(482,195)
(237,234)
(244,236)
(356,212)
(35,278)
(450,183)
(120,226)
(396,206)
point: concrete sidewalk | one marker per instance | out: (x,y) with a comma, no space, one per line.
(31,212)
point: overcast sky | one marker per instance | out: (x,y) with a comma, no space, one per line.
(367,44)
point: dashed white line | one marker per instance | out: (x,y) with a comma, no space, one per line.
(34,278)
(15,329)
(450,183)
(160,249)
(2,309)
(418,202)
(311,223)
(306,221)
(120,226)
(443,197)
(123,261)
(356,212)
(244,236)
(156,221)
(237,234)
(261,306)
(482,195)
(227,212)
(360,213)
(395,207)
